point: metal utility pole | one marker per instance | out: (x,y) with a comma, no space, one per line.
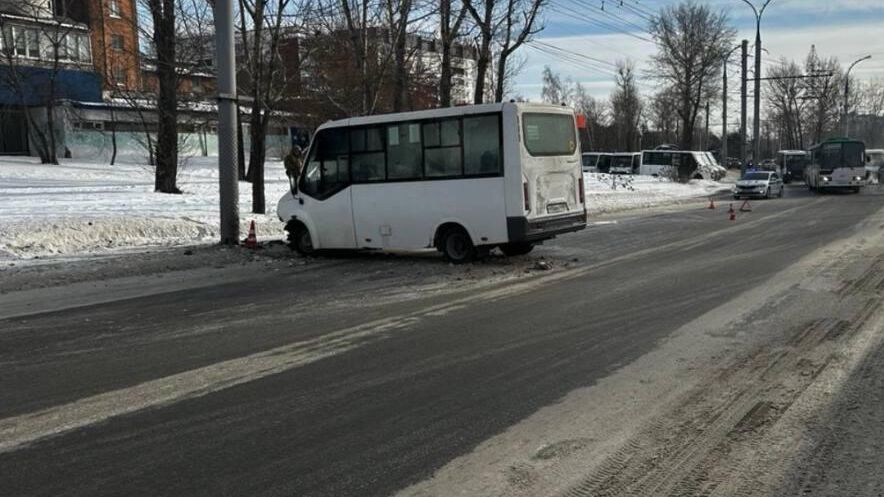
(724,151)
(227,142)
(706,135)
(743,112)
(756,124)
(845,126)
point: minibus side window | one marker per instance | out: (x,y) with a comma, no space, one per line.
(404,151)
(442,151)
(367,154)
(481,145)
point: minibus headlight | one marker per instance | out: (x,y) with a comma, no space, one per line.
(825,178)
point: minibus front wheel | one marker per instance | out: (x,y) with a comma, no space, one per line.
(299,238)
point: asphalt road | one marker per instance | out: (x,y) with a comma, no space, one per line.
(271,386)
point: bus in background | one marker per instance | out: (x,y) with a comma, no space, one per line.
(685,164)
(791,164)
(625,163)
(837,163)
(460,179)
(589,162)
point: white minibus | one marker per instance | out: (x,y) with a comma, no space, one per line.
(461,179)
(625,163)
(684,164)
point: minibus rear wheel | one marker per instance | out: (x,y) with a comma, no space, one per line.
(456,245)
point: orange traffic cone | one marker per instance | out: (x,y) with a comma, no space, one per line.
(711,203)
(746,207)
(252,240)
(731,213)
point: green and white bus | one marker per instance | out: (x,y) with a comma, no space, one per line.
(837,163)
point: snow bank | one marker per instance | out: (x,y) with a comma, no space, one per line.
(611,193)
(82,207)
(86,208)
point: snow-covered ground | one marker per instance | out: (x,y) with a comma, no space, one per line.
(87,208)
(607,193)
(78,207)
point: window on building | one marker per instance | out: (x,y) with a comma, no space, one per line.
(120,76)
(33,43)
(117,42)
(113,8)
(84,49)
(196,85)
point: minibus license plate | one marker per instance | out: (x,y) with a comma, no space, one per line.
(556,208)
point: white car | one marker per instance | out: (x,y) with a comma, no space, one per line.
(759,184)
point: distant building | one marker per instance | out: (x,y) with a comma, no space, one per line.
(95,43)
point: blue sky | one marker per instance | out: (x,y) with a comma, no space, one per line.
(847,29)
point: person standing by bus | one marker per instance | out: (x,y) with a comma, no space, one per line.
(293,162)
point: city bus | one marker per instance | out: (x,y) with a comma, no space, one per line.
(837,163)
(461,180)
(791,164)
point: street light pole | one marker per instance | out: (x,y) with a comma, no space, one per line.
(756,125)
(724,152)
(845,126)
(228,177)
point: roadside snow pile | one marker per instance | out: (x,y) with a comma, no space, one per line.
(610,193)
(80,207)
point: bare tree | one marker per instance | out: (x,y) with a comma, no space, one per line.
(786,102)
(692,40)
(663,114)
(163,15)
(554,90)
(824,94)
(519,24)
(261,25)
(626,106)
(487,23)
(398,16)
(450,22)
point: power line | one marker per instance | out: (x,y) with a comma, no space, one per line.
(604,24)
(554,47)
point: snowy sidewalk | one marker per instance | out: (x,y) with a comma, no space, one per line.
(606,193)
(80,208)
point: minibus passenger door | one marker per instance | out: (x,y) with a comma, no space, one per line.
(325,189)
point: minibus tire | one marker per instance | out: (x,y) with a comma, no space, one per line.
(516,248)
(456,245)
(299,239)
